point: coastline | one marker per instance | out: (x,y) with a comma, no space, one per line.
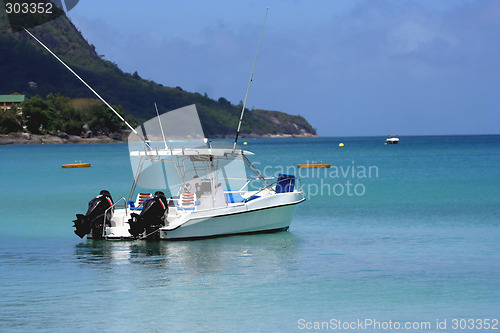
(58,138)
(63,138)
(265,136)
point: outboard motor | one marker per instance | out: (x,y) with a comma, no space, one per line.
(94,220)
(151,218)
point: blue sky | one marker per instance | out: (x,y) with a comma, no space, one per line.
(352,68)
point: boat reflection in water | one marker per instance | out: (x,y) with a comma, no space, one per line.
(238,254)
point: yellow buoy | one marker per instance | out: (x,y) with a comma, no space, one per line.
(314,166)
(245,143)
(341,144)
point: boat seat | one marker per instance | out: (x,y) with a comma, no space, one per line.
(253,197)
(187,201)
(285,184)
(137,205)
(233,196)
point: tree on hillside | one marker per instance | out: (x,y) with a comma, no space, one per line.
(37,114)
(10,121)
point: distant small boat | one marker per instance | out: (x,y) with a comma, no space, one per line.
(76,165)
(314,166)
(392,139)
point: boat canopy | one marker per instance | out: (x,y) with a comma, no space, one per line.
(172,154)
(177,128)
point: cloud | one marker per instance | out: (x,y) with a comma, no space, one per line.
(432,71)
(377,67)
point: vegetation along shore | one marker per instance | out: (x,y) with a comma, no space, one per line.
(56,108)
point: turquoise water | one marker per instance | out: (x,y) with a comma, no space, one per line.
(413,238)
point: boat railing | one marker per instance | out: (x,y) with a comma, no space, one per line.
(176,188)
(270,185)
(248,181)
(112,207)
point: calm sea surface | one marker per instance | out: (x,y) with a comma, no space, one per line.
(406,233)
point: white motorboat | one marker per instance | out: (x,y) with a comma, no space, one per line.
(188,187)
(392,139)
(200,189)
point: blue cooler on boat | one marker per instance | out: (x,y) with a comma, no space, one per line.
(285,183)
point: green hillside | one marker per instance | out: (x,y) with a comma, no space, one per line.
(22,61)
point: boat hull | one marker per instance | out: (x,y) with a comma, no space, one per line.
(262,215)
(270,219)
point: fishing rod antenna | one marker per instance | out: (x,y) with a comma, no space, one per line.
(249,83)
(88,86)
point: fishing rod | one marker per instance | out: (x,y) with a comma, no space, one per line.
(249,83)
(161,127)
(88,86)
